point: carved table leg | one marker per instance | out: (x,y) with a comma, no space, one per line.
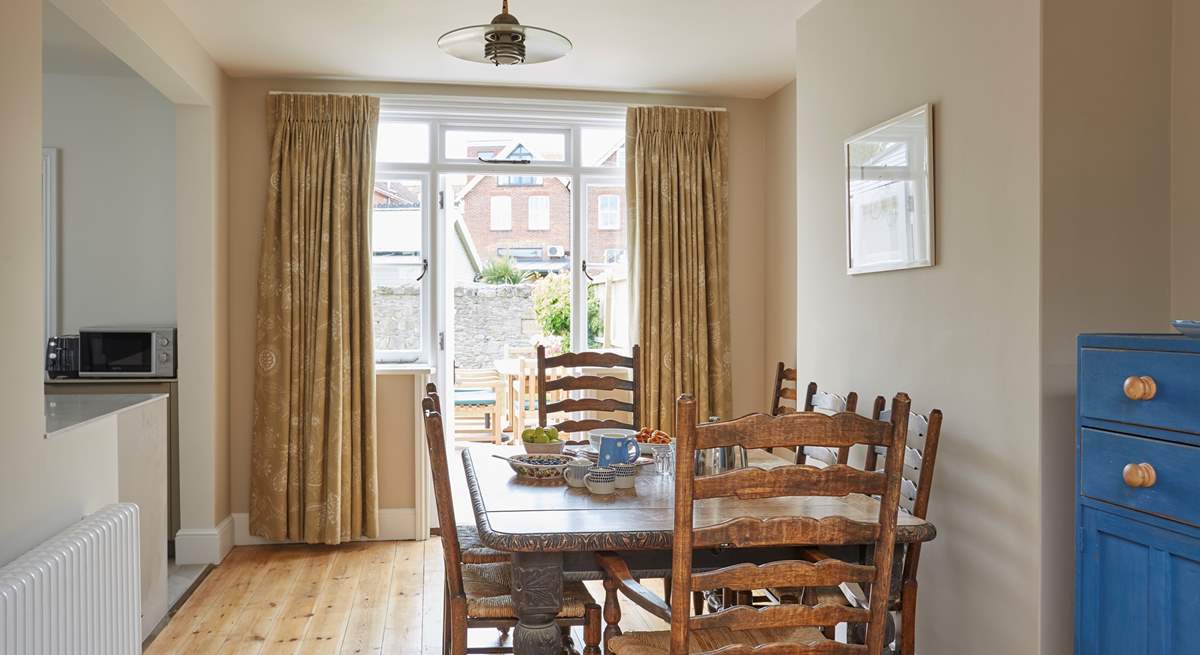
(537,592)
(612,612)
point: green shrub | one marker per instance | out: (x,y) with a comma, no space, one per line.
(552,307)
(502,271)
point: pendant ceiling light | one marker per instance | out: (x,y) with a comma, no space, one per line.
(504,42)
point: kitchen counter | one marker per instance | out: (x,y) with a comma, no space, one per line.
(109,380)
(67,411)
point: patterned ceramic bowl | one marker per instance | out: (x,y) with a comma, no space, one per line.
(539,466)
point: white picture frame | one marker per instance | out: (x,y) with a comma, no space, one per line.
(889,171)
(50,283)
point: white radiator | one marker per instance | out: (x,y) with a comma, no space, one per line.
(78,593)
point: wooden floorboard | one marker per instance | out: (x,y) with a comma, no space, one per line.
(362,597)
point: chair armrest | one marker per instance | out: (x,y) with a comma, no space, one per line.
(617,570)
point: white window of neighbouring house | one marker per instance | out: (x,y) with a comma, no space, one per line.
(501,218)
(539,213)
(609,212)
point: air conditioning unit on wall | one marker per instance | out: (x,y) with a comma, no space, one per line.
(555,252)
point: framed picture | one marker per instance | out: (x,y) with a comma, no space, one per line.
(889,195)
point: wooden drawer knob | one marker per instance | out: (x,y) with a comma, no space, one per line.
(1139,476)
(1140,387)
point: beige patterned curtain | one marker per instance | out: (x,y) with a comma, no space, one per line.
(676,184)
(313,472)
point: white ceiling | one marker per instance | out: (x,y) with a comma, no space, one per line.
(740,48)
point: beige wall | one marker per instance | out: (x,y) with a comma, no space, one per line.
(963,335)
(396,416)
(249,145)
(47,484)
(779,320)
(1106,93)
(1185,166)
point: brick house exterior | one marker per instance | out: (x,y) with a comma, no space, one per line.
(520,242)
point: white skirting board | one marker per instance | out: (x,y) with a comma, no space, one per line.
(204,545)
(395,524)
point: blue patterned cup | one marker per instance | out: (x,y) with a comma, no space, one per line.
(626,475)
(600,480)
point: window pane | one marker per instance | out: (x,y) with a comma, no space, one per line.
(607,264)
(508,145)
(539,212)
(403,143)
(501,213)
(397,260)
(604,147)
(499,275)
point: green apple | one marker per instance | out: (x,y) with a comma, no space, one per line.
(552,433)
(529,435)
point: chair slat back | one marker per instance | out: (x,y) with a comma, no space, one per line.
(919,459)
(784,400)
(435,439)
(590,382)
(465,377)
(796,429)
(825,402)
(920,451)
(785,389)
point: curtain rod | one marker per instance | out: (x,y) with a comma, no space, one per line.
(501,99)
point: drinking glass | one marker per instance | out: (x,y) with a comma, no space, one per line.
(664,460)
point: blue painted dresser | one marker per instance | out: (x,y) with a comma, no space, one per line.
(1137,483)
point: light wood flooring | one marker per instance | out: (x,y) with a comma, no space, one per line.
(364,597)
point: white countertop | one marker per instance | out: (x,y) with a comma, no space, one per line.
(67,411)
(111,380)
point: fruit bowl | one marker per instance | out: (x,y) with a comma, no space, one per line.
(541,441)
(538,466)
(552,448)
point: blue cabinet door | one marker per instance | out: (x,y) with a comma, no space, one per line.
(1139,588)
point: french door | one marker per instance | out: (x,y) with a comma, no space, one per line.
(498,226)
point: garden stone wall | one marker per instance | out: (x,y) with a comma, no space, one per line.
(487,317)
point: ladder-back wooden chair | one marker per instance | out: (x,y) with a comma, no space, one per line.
(588,382)
(480,595)
(815,400)
(473,550)
(794,628)
(920,455)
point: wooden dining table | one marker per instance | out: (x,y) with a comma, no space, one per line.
(552,530)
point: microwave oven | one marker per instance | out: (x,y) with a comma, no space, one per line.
(127,352)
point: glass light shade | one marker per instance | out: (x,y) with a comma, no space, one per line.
(468,43)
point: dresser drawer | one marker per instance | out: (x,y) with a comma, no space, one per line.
(1175,487)
(1174,378)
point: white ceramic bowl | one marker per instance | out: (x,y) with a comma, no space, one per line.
(595,435)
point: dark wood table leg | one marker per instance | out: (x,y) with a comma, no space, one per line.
(612,611)
(537,592)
